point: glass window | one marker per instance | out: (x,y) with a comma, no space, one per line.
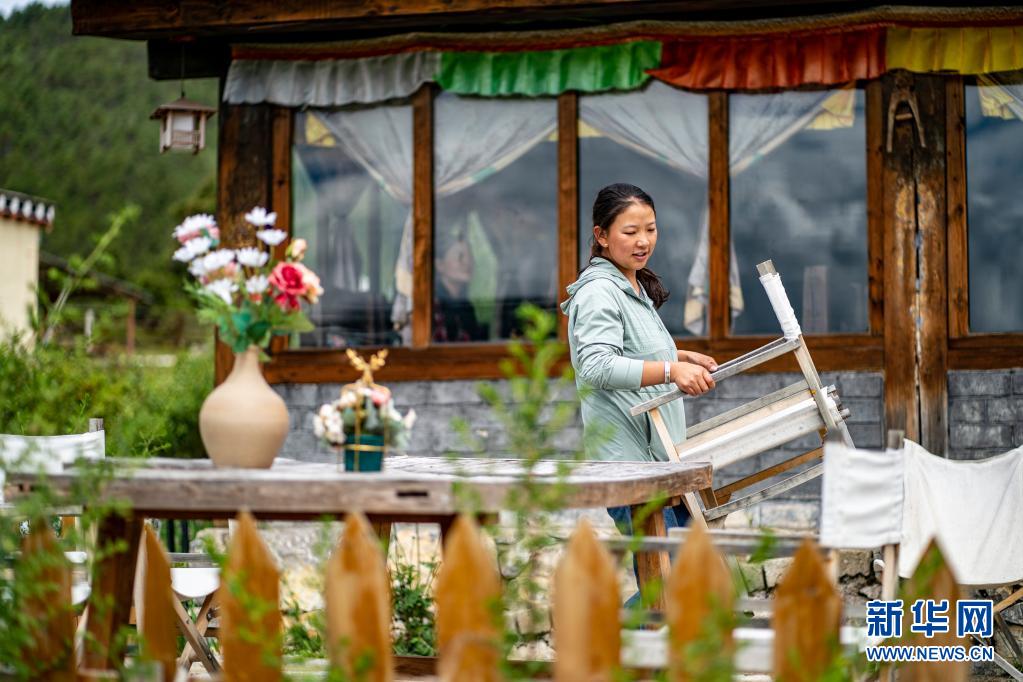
(994,175)
(799,197)
(496,215)
(655,139)
(351,191)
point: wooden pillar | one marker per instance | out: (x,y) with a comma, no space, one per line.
(915,266)
(719,315)
(933,266)
(244,171)
(568,199)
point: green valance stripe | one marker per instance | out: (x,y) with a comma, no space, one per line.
(551,72)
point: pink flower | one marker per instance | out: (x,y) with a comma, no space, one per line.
(287,302)
(379,397)
(313,289)
(297,248)
(288,279)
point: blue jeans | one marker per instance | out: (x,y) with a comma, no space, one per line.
(674,517)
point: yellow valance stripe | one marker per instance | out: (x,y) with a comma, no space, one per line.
(970,50)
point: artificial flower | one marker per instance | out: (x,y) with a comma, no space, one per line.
(217,259)
(183,255)
(297,248)
(287,278)
(222,288)
(252,257)
(313,290)
(197,246)
(259,217)
(256,284)
(379,397)
(409,420)
(196,268)
(197,225)
(272,237)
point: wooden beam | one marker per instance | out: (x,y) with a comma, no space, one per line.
(718,182)
(568,198)
(930,176)
(958,244)
(243,181)
(875,206)
(422,217)
(172,60)
(900,268)
(482,360)
(280,188)
(987,351)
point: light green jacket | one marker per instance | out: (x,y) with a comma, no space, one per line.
(611,331)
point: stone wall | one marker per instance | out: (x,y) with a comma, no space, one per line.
(437,403)
(985,412)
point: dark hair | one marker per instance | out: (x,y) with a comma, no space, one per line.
(608,205)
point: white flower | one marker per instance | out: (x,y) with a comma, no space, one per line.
(410,419)
(256,284)
(328,426)
(193,226)
(348,399)
(222,288)
(183,255)
(196,268)
(260,218)
(217,259)
(197,246)
(272,237)
(252,257)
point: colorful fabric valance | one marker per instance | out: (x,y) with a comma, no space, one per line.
(748,62)
(775,61)
(551,72)
(970,50)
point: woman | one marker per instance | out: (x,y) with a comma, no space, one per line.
(621,351)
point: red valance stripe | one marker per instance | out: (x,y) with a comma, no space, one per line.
(775,61)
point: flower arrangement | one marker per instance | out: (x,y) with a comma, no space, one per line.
(363,418)
(247,293)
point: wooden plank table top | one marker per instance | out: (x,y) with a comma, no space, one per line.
(428,486)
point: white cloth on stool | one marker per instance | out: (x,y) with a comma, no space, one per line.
(973,507)
(861,497)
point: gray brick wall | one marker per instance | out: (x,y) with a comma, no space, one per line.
(985,412)
(437,403)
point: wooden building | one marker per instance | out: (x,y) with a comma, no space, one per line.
(441,159)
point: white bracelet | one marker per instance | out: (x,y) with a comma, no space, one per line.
(667,372)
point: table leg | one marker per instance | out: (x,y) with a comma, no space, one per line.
(113,585)
(652,567)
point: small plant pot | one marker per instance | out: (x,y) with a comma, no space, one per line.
(365,453)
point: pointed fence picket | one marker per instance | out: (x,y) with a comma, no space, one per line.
(587,631)
(157,631)
(358,602)
(251,623)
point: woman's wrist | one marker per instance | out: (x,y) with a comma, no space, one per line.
(667,372)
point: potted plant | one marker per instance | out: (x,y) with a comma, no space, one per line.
(363,422)
(251,295)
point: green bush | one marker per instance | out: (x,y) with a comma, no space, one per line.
(147,411)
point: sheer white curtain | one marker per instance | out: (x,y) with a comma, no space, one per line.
(1007,96)
(671,126)
(473,139)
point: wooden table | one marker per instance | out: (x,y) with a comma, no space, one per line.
(413,489)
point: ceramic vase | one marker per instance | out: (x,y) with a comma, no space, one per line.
(243,422)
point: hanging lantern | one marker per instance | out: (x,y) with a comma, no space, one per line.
(183,125)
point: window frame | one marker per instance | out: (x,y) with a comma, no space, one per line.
(424,360)
(967,349)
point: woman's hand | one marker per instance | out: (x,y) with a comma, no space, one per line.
(700,359)
(691,378)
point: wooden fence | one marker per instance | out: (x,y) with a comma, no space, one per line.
(699,597)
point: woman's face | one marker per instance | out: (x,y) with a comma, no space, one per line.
(630,240)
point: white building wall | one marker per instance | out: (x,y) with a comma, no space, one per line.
(19,273)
